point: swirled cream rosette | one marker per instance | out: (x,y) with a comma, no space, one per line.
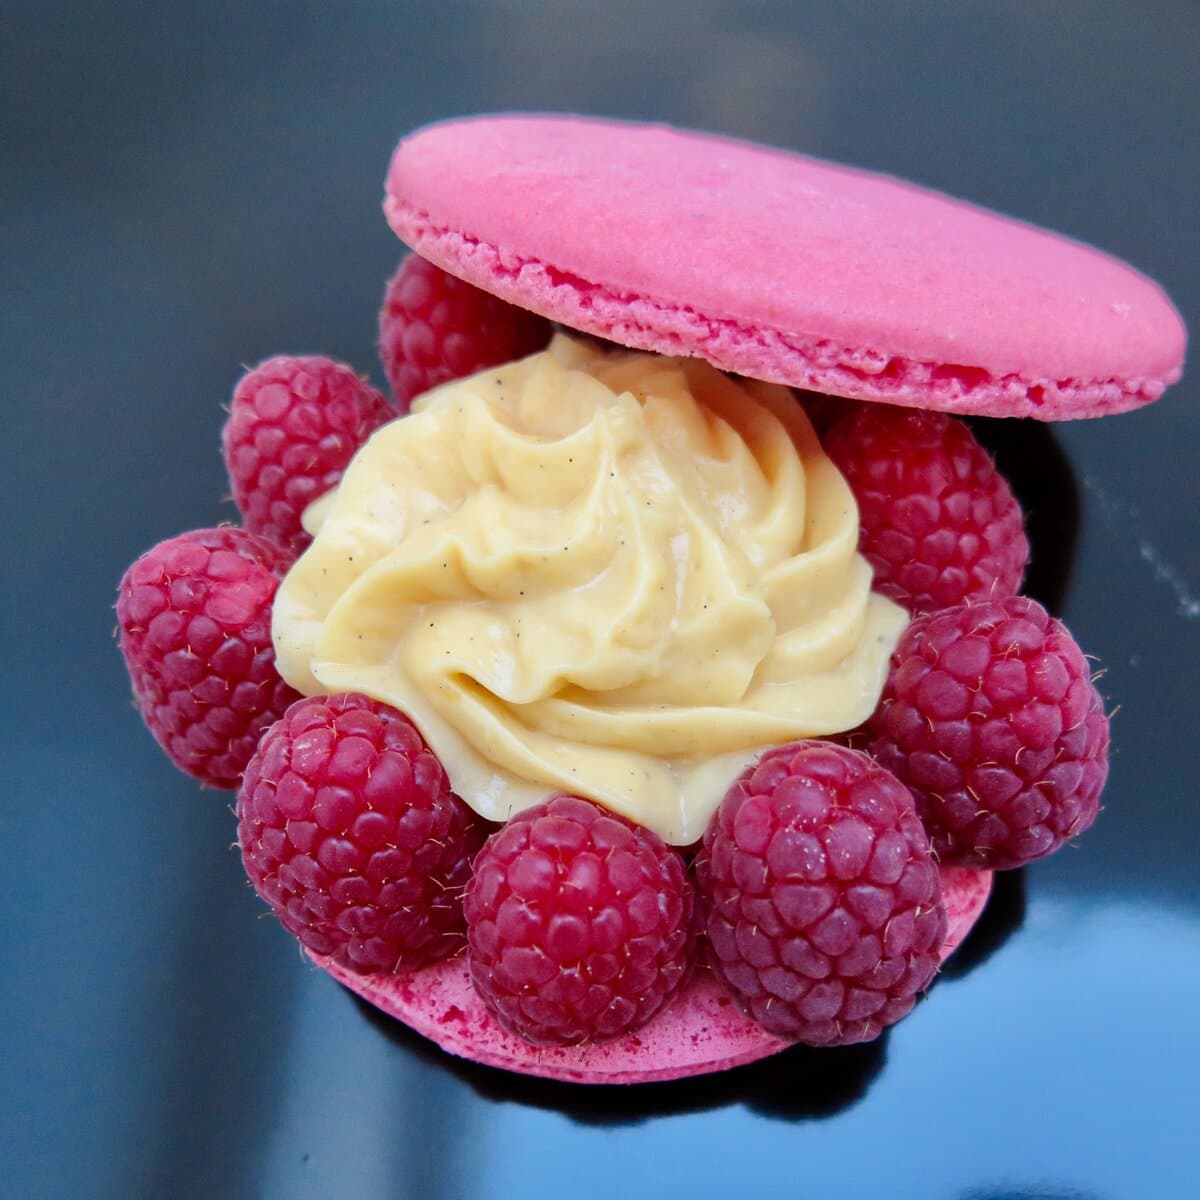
(612,574)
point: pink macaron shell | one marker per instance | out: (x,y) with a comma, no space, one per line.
(783,267)
(701,1031)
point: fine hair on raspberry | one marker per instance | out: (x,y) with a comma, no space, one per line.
(194,614)
(294,424)
(820,898)
(991,717)
(349,830)
(940,524)
(434,327)
(579,923)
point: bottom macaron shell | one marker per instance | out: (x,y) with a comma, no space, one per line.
(699,1032)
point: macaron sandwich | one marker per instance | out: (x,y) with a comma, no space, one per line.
(646,686)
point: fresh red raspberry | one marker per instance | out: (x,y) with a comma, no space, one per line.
(434,328)
(991,718)
(293,426)
(579,923)
(821,899)
(939,523)
(195,625)
(350,832)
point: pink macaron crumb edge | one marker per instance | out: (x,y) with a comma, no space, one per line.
(776,356)
(701,1031)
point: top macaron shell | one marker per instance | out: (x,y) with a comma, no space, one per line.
(783,267)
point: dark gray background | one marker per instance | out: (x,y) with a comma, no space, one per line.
(184,189)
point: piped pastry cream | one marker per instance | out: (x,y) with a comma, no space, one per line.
(613,574)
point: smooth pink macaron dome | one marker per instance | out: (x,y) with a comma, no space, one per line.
(783,267)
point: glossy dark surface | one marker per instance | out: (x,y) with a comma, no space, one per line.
(181,194)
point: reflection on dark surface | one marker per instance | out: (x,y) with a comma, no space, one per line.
(1001,918)
(1033,1193)
(799,1084)
(207,1073)
(807,1084)
(1029,456)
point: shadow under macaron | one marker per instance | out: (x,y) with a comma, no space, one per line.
(801,1083)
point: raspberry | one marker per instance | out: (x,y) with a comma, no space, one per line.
(579,923)
(350,832)
(991,718)
(939,523)
(195,624)
(434,328)
(821,899)
(293,426)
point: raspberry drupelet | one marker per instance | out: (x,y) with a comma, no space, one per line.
(939,523)
(434,328)
(194,614)
(293,425)
(820,897)
(350,832)
(579,923)
(990,716)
